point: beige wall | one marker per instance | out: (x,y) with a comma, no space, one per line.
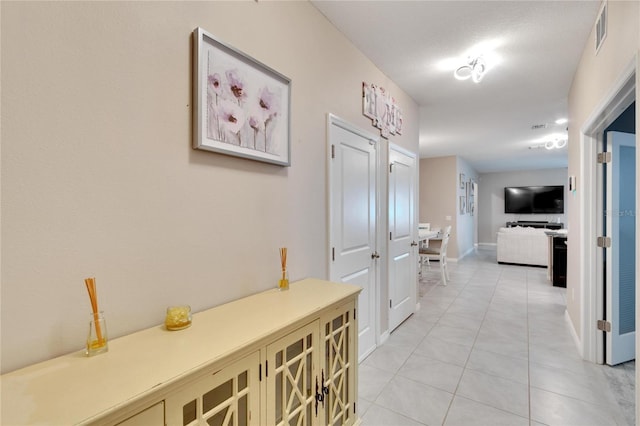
(438,196)
(594,79)
(99,177)
(465,222)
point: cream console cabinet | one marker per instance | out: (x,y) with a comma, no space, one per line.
(274,358)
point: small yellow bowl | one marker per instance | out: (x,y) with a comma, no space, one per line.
(178,317)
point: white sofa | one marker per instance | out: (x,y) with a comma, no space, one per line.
(525,246)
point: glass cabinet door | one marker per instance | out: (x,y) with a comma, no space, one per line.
(292,381)
(338,366)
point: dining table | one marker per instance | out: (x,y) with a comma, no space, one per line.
(424,235)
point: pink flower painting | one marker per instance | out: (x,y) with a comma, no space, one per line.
(269,103)
(242,110)
(241,106)
(231,118)
(236,85)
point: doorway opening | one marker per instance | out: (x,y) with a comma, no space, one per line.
(591,207)
(592,341)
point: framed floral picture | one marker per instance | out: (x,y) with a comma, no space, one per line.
(241,106)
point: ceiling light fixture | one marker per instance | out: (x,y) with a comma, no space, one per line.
(551,142)
(475,68)
(557,143)
(561,120)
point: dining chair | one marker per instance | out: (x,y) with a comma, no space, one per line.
(439,254)
(422,226)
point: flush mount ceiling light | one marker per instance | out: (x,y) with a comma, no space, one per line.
(550,142)
(474,62)
(557,143)
(474,69)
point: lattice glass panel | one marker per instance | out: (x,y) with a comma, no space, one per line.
(293,377)
(221,418)
(189,412)
(338,406)
(217,396)
(227,402)
(224,398)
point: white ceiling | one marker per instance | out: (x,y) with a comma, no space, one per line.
(538,44)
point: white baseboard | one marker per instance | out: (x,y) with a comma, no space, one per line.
(383,337)
(467,253)
(576,338)
(488,244)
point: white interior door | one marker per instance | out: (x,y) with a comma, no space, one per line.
(353,203)
(402,236)
(620,257)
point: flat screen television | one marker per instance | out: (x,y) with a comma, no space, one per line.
(534,199)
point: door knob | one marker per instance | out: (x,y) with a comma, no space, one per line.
(375,255)
(413,244)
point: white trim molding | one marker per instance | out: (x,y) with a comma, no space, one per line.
(622,93)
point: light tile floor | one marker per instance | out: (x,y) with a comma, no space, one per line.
(491,348)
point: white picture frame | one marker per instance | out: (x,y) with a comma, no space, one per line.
(241,106)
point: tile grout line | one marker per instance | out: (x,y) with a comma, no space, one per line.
(473,278)
(528,349)
(444,419)
(436,323)
(395,374)
(464,368)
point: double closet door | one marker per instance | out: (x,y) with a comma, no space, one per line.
(372,236)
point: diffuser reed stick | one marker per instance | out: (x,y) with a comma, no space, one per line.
(93,298)
(283,261)
(284,281)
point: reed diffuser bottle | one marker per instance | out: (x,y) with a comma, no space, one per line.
(97,338)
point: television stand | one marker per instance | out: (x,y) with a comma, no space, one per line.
(536,224)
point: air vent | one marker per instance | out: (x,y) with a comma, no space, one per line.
(538,126)
(601,26)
